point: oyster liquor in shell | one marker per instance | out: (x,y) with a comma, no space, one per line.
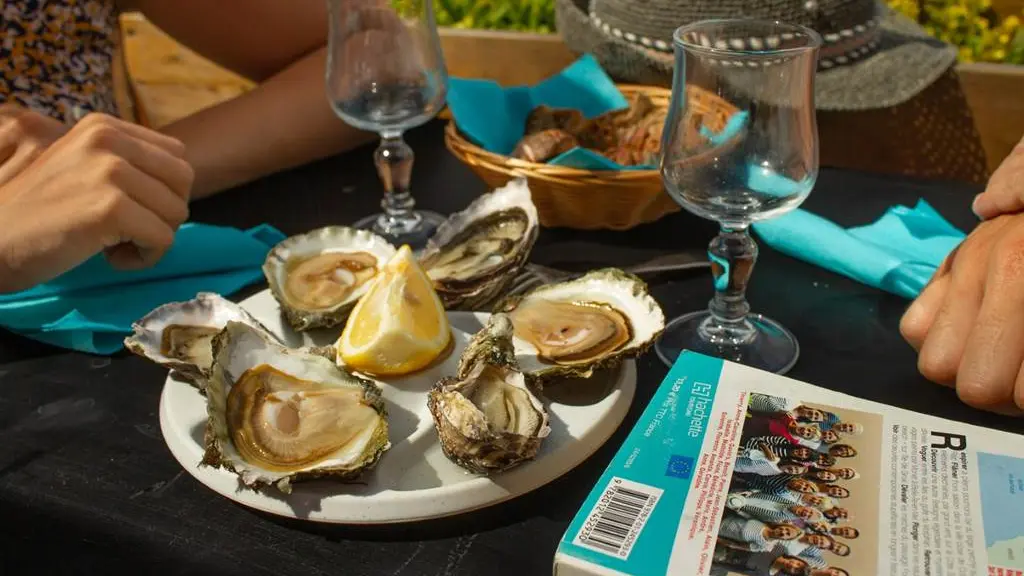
(278,415)
(317,277)
(573,328)
(476,253)
(178,335)
(486,417)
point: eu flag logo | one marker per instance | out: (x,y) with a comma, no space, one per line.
(679,467)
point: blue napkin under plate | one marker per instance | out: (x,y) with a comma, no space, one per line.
(898,253)
(91,308)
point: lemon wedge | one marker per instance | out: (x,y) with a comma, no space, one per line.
(399,326)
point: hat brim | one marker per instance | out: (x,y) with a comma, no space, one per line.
(907,61)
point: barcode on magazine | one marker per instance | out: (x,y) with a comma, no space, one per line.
(618,517)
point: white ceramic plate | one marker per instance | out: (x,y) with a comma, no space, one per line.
(413,480)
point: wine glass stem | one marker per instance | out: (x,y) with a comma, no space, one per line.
(394,159)
(733,254)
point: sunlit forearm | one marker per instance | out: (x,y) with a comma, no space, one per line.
(284,122)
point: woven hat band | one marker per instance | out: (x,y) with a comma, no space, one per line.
(839,48)
(658,19)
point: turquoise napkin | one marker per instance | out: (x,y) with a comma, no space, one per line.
(898,253)
(494,117)
(91,308)
(733,126)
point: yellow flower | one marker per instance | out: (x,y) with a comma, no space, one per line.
(966,25)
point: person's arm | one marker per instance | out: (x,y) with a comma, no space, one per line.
(768,453)
(286,120)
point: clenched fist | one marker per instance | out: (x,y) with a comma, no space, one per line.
(106,185)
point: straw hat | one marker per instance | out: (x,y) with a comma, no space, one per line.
(872,57)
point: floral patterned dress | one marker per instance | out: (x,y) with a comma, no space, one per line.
(56,57)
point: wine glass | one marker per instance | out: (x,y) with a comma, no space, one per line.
(386,74)
(759,161)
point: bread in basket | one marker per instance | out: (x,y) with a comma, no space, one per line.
(592,199)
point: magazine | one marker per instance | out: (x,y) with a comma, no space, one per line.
(735,471)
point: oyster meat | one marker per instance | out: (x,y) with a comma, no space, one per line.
(178,335)
(477,252)
(573,328)
(317,277)
(279,415)
(486,417)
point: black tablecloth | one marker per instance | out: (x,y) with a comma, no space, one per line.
(87,484)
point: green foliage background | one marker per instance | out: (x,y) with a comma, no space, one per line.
(516,15)
(971,25)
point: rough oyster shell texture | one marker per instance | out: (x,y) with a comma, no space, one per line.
(572,329)
(487,418)
(177,335)
(476,253)
(277,415)
(317,277)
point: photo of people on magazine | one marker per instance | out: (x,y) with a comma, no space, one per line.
(803,498)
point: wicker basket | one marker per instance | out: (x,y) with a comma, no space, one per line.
(591,199)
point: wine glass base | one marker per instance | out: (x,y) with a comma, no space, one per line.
(415,234)
(772,348)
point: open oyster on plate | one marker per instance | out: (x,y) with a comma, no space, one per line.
(486,417)
(279,415)
(475,253)
(573,328)
(178,335)
(317,277)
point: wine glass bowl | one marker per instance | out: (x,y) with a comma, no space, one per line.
(386,74)
(761,164)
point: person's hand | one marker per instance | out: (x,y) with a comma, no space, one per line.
(1004,193)
(968,323)
(107,185)
(24,135)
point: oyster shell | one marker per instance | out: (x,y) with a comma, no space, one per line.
(318,276)
(279,415)
(177,335)
(486,417)
(475,253)
(574,328)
